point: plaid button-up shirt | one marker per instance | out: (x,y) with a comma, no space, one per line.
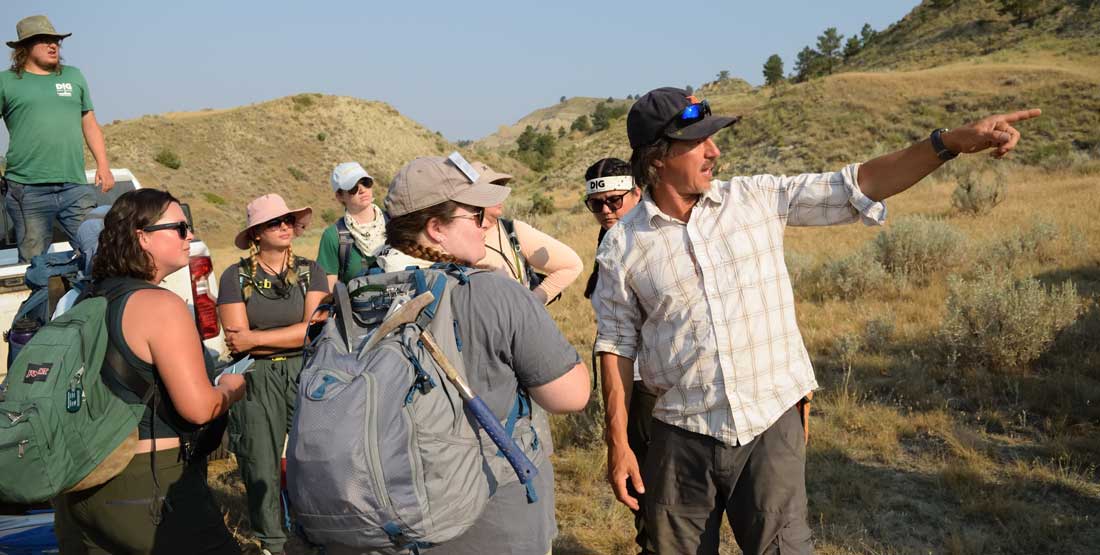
(711,301)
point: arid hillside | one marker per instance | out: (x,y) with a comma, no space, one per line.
(287,146)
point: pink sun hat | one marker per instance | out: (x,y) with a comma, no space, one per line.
(267,208)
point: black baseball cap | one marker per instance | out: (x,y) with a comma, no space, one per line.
(652,116)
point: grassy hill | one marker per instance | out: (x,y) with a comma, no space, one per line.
(287,146)
(551,118)
(937,32)
(937,67)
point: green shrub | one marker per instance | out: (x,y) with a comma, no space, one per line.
(328,215)
(918,246)
(322,136)
(302,101)
(541,204)
(167,158)
(297,173)
(978,193)
(1001,323)
(213,198)
(535,149)
(879,331)
(800,268)
(849,277)
(1039,243)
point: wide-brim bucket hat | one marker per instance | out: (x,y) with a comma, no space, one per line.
(267,208)
(34,26)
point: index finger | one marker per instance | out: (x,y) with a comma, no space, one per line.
(1022,115)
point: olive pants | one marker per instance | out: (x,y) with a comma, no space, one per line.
(692,480)
(116,517)
(258,425)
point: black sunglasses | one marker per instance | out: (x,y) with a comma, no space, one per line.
(288,219)
(181,228)
(612,202)
(364,183)
(478,216)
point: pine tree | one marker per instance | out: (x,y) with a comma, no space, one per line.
(828,45)
(773,70)
(852,47)
(866,34)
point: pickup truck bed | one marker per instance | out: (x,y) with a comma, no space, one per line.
(13,291)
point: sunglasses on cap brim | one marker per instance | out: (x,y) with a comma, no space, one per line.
(693,113)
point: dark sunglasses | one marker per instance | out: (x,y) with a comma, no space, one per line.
(181,228)
(366,184)
(478,216)
(277,222)
(612,202)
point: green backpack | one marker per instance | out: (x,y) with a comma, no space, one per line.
(62,428)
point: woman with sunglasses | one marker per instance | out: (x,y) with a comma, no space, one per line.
(541,263)
(264,303)
(159,503)
(348,246)
(508,340)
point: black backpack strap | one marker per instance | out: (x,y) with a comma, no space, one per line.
(345,242)
(302,268)
(114,362)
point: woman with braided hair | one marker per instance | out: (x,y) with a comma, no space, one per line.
(509,341)
(264,303)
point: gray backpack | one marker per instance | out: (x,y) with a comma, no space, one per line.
(383,455)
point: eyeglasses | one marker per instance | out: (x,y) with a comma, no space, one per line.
(278,222)
(182,228)
(612,202)
(478,216)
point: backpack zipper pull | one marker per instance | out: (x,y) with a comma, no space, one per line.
(22,447)
(74,397)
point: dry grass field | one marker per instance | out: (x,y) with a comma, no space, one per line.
(908,453)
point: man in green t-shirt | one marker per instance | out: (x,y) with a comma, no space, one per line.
(347,246)
(48,111)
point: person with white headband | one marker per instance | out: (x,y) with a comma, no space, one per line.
(609,194)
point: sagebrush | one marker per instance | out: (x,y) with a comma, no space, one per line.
(1001,323)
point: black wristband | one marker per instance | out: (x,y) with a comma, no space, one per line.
(942,152)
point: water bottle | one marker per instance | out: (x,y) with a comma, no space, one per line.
(21,332)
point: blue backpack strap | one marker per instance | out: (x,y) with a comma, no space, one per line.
(522,408)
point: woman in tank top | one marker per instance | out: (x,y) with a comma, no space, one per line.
(160,503)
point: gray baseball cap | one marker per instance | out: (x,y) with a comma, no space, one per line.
(345,176)
(429,181)
(34,26)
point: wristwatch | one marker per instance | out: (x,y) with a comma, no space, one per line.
(942,152)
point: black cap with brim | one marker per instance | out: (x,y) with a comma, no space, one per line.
(651,117)
(703,128)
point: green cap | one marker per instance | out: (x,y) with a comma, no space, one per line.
(34,26)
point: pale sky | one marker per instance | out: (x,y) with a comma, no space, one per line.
(461,69)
